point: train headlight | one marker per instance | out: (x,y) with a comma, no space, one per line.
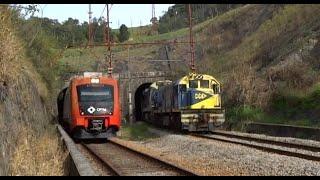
(95,81)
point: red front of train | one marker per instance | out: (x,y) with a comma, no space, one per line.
(91,107)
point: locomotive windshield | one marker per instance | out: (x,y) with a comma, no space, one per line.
(204,83)
(95,100)
(193,84)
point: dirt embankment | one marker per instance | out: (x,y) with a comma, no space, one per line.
(28,141)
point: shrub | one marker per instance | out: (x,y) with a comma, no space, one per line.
(123,33)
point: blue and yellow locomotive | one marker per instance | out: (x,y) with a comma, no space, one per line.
(192,103)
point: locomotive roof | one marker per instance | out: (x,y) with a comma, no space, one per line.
(192,76)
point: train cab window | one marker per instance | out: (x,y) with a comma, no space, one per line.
(204,83)
(216,88)
(95,94)
(100,96)
(193,84)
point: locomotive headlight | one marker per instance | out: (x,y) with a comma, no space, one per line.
(95,81)
(82,113)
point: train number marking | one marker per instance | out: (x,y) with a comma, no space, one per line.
(200,96)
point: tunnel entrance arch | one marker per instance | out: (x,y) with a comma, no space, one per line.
(138,100)
(138,82)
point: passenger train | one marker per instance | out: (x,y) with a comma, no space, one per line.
(89,106)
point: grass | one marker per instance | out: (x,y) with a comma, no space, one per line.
(37,156)
(136,132)
(80,60)
(296,107)
(184,32)
(238,116)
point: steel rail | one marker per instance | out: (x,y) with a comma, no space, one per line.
(108,164)
(268,141)
(173,166)
(115,169)
(261,147)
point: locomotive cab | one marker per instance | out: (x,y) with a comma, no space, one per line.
(200,103)
(199,91)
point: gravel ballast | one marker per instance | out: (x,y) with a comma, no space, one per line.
(210,157)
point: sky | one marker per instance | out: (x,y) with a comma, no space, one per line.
(132,15)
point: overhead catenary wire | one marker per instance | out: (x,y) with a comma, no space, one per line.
(109,43)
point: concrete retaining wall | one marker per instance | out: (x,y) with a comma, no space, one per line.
(284,130)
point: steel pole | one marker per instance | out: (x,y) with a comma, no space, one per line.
(129,90)
(193,69)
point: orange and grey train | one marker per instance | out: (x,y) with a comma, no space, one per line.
(89,107)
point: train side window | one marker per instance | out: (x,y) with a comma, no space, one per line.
(183,88)
(204,84)
(193,84)
(216,88)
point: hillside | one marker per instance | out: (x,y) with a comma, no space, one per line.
(265,55)
(25,120)
(267,58)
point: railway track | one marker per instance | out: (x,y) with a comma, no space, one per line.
(114,158)
(280,147)
(121,160)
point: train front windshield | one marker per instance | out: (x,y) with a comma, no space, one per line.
(95,99)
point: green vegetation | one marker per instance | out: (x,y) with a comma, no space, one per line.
(238,116)
(291,106)
(123,33)
(285,108)
(136,132)
(73,33)
(69,32)
(165,36)
(245,113)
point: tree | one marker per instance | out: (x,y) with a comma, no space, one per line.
(124,33)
